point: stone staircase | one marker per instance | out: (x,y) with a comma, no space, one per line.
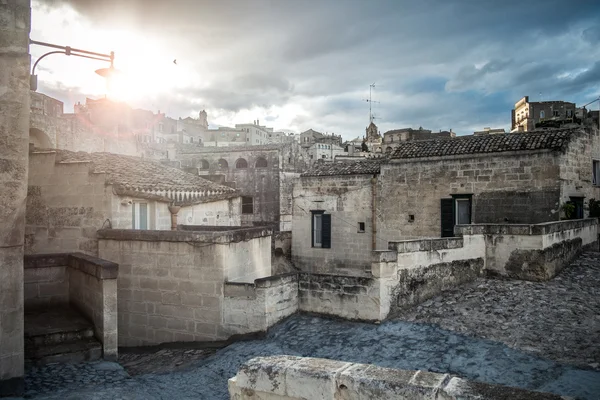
(59,335)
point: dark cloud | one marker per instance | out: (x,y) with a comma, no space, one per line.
(437,64)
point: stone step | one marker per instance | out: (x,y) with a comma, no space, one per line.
(55,326)
(88,349)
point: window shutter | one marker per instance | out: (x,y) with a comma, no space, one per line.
(326,231)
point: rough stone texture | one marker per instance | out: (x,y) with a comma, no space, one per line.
(170,284)
(348,199)
(393,344)
(418,284)
(249,308)
(86,282)
(558,319)
(349,297)
(15,17)
(293,378)
(416,186)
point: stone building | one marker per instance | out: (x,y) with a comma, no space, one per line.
(332,225)
(72,195)
(428,187)
(322,151)
(526,115)
(490,131)
(392,138)
(257,172)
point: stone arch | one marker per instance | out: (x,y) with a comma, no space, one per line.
(241,163)
(223,163)
(388,149)
(39,139)
(261,162)
(203,164)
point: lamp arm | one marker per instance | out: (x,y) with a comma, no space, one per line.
(45,55)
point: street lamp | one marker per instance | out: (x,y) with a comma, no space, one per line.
(69,51)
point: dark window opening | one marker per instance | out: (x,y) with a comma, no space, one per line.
(361,227)
(247,205)
(411,218)
(241,163)
(223,164)
(203,164)
(578,203)
(596,172)
(260,163)
(321,229)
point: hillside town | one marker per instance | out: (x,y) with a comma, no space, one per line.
(146,255)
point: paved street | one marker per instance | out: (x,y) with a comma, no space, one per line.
(539,336)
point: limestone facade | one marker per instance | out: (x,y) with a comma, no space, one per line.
(14,132)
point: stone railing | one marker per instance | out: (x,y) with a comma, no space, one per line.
(532,252)
(254,307)
(87,283)
(294,378)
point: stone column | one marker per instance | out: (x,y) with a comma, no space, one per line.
(15,20)
(174,210)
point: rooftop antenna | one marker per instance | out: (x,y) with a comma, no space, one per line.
(370,101)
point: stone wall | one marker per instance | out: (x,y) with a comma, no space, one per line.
(348,199)
(533,252)
(576,166)
(87,283)
(415,270)
(294,378)
(254,307)
(350,297)
(170,285)
(262,184)
(519,187)
(14,133)
(66,205)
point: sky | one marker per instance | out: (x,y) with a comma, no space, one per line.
(301,64)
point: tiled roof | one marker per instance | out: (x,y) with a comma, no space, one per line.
(195,149)
(534,140)
(135,173)
(364,167)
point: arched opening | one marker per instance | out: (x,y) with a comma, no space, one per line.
(241,163)
(260,163)
(388,149)
(223,164)
(203,164)
(39,139)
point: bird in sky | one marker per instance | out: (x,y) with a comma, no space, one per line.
(175,61)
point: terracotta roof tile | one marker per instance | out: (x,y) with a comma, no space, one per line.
(534,140)
(136,173)
(363,167)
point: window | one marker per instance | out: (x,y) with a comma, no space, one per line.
(361,227)
(247,205)
(260,163)
(223,164)
(139,216)
(191,140)
(542,114)
(324,156)
(555,113)
(241,163)
(596,172)
(160,128)
(569,113)
(321,229)
(203,164)
(462,210)
(578,203)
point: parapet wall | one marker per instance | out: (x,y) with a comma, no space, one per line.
(296,378)
(88,283)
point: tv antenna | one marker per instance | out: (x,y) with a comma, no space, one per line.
(370,101)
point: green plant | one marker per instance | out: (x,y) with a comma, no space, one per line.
(568,210)
(594,208)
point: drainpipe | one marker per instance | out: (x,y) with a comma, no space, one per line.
(373,212)
(174,210)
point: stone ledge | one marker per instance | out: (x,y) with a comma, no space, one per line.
(248,290)
(290,377)
(231,235)
(87,264)
(524,229)
(411,246)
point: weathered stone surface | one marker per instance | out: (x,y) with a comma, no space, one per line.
(558,319)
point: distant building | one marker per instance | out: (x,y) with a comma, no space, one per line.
(322,151)
(489,131)
(391,139)
(526,115)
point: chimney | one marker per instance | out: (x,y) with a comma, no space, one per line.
(257,122)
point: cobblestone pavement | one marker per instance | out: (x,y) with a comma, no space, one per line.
(559,319)
(395,344)
(161,361)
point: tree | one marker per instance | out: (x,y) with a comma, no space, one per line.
(364,147)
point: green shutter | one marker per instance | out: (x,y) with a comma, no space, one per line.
(326,231)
